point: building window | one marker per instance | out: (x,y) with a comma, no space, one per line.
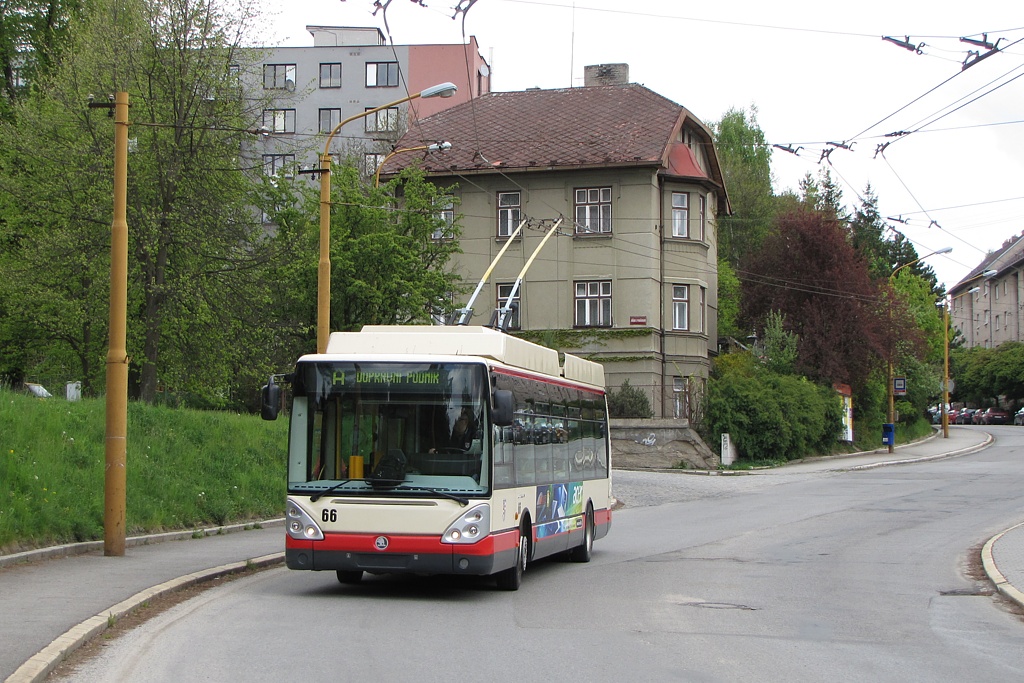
(384,121)
(276,164)
(279,76)
(703,309)
(382,74)
(680,307)
(279,120)
(594,303)
(593,210)
(330,75)
(504,291)
(680,214)
(371,162)
(329,118)
(679,398)
(447,215)
(508,213)
(703,208)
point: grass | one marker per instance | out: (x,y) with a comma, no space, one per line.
(185,468)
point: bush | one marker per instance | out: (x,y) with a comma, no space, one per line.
(629,402)
(770,416)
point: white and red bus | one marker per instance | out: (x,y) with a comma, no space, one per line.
(443,450)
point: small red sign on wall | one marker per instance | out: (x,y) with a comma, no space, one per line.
(638,320)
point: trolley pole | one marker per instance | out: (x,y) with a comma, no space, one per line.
(114,516)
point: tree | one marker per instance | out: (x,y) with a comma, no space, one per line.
(745,158)
(885,254)
(390,251)
(33,34)
(196,245)
(809,272)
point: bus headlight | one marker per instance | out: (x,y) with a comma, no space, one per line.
(301,526)
(470,527)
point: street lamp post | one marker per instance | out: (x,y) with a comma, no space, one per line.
(436,147)
(891,414)
(323,298)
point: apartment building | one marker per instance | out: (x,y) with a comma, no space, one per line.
(985,307)
(634,184)
(307,91)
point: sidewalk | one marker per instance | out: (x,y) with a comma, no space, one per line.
(54,600)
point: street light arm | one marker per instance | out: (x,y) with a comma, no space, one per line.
(944,250)
(435,147)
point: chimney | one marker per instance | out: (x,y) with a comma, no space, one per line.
(606,74)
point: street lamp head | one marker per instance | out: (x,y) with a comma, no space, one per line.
(944,250)
(439,147)
(974,290)
(440,90)
(990,273)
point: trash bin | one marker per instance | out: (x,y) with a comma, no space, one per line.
(889,434)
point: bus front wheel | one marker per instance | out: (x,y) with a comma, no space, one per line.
(510,579)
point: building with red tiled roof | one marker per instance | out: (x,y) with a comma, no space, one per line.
(630,278)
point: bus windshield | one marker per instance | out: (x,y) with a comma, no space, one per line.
(380,427)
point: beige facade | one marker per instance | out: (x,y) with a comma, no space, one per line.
(985,307)
(654,320)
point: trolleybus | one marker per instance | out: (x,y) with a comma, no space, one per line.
(443,450)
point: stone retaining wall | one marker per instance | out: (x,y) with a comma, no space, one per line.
(659,444)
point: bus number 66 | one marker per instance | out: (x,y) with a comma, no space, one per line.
(330,515)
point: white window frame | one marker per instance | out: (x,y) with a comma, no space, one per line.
(383,121)
(502,290)
(279,120)
(371,162)
(274,164)
(332,116)
(445,213)
(333,80)
(703,310)
(681,307)
(374,71)
(593,303)
(592,207)
(681,214)
(509,212)
(702,203)
(278,76)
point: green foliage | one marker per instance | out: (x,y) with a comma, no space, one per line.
(745,158)
(629,402)
(729,290)
(184,468)
(769,415)
(779,346)
(983,375)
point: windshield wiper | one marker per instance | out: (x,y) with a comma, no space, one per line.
(444,494)
(330,489)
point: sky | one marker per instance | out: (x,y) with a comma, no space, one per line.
(817,73)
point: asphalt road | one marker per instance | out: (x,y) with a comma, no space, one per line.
(798,575)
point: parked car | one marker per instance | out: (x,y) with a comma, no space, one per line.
(952,416)
(1018,417)
(976,416)
(964,416)
(995,416)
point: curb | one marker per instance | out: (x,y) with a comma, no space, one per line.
(925,458)
(70,549)
(39,666)
(996,576)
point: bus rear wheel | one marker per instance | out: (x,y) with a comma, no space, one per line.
(510,579)
(349,577)
(583,552)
